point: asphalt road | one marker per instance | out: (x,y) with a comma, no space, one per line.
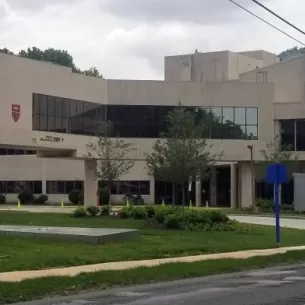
(275,286)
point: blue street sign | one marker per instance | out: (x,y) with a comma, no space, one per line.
(277,174)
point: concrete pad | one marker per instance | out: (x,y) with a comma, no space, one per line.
(88,235)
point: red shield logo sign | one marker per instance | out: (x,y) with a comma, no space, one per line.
(16,112)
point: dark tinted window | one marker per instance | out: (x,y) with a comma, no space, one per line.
(136,121)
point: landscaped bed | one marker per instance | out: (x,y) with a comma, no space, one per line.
(23,254)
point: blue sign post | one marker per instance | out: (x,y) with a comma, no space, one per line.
(277,174)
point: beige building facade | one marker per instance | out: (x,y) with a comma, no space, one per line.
(49,115)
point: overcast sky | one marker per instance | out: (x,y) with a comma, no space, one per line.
(129,38)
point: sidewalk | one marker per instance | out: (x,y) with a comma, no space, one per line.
(17,276)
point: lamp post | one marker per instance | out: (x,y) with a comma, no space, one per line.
(250,147)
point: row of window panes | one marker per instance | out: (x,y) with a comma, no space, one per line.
(293,134)
(14,187)
(78,117)
(130,187)
(6,151)
(63,187)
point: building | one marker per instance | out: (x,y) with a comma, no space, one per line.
(49,114)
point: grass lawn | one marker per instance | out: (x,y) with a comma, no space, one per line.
(45,287)
(28,253)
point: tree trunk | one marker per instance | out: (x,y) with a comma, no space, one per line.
(183,195)
(174,194)
(183,200)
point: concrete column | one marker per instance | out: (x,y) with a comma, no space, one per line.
(198,190)
(90,183)
(152,189)
(277,128)
(44,176)
(233,191)
(245,184)
(213,187)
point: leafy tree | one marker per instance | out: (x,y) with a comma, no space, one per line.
(291,53)
(55,56)
(112,155)
(182,151)
(6,51)
(277,152)
(93,71)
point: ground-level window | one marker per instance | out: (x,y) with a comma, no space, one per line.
(63,187)
(129,187)
(15,187)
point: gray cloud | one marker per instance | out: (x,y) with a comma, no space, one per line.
(37,4)
(197,11)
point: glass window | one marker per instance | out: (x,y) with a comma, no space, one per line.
(251,116)
(19,151)
(35,103)
(287,133)
(3,187)
(217,112)
(43,105)
(300,135)
(114,188)
(144,187)
(79,107)
(240,115)
(36,122)
(51,187)
(79,185)
(51,123)
(228,115)
(37,187)
(133,187)
(43,122)
(58,107)
(70,186)
(252,132)
(73,108)
(65,108)
(10,187)
(61,187)
(3,151)
(123,187)
(51,105)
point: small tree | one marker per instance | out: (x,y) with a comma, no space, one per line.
(182,152)
(277,152)
(112,157)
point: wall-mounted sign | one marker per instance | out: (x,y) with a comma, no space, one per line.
(51,139)
(16,109)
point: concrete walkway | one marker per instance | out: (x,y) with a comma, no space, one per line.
(294,223)
(17,276)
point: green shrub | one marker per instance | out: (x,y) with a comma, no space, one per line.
(41,199)
(150,210)
(265,205)
(104,197)
(139,213)
(126,212)
(2,198)
(104,210)
(80,212)
(173,221)
(93,210)
(75,197)
(26,196)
